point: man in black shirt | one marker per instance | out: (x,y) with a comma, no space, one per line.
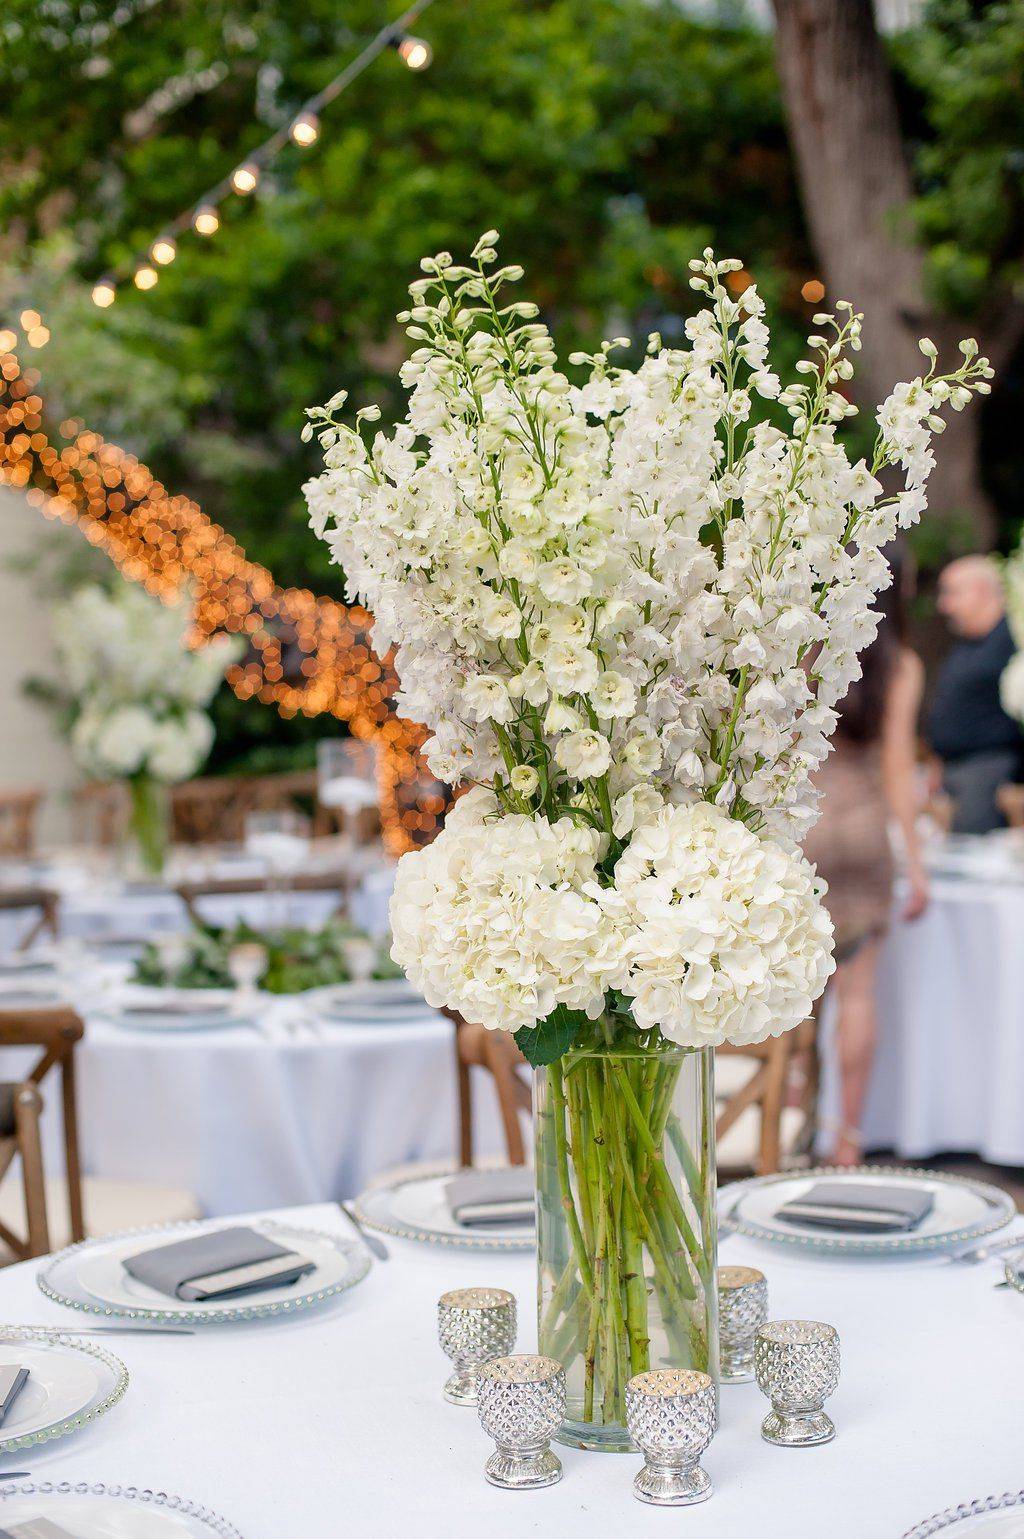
(979,745)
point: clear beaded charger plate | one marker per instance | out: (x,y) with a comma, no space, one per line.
(993,1517)
(94,1511)
(70,1384)
(962,1210)
(380,1002)
(90,1276)
(415,1208)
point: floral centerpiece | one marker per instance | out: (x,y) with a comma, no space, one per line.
(627,609)
(1011,683)
(137,693)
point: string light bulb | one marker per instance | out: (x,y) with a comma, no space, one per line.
(104,293)
(30,318)
(8,341)
(305,130)
(206,220)
(813,291)
(415,51)
(164,251)
(146,277)
(244,178)
(166,542)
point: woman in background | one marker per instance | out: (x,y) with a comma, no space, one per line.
(868,781)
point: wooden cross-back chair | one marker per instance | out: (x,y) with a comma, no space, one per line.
(38,900)
(213,809)
(193,893)
(55,1032)
(496,1052)
(763,1092)
(18,811)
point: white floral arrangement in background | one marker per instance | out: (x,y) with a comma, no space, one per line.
(139,691)
(1011,684)
(627,612)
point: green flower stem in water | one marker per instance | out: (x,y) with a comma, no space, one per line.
(627,1255)
(148,822)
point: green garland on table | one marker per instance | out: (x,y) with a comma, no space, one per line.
(297,959)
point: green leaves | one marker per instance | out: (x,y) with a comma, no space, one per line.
(549,1039)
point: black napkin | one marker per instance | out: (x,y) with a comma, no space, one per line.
(482,1198)
(858,1206)
(222,1264)
(12,1382)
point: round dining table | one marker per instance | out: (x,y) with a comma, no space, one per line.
(332,1421)
(948,1074)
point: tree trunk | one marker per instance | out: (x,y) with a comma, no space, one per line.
(856,187)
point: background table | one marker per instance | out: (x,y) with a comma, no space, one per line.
(949,1070)
(275,1117)
(283,1427)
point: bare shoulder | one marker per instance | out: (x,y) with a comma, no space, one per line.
(907,683)
(909,669)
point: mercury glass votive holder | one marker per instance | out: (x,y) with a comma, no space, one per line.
(672,1415)
(474,1325)
(742,1309)
(797,1366)
(522,1406)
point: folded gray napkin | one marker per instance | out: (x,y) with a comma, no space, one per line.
(12,1382)
(858,1206)
(37,1528)
(479,1198)
(225,1263)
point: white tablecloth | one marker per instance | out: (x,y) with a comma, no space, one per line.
(949,1070)
(271,1118)
(333,1422)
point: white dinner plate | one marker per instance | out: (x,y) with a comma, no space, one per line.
(70,1383)
(177,1010)
(90,1276)
(383,1001)
(94,1511)
(993,1517)
(962,1210)
(415,1208)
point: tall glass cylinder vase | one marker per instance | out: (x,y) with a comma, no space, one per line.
(148,825)
(625,1165)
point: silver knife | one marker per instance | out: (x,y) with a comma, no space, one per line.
(375,1246)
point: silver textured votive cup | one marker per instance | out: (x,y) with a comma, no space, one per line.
(797,1367)
(672,1415)
(522,1406)
(742,1308)
(473,1326)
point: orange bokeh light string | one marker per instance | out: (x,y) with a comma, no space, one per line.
(305,653)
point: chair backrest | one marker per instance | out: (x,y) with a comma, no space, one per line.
(55,1033)
(18,811)
(40,899)
(497,1054)
(213,809)
(757,1097)
(192,893)
(761,1092)
(100,809)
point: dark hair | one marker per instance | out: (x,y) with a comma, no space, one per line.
(862,709)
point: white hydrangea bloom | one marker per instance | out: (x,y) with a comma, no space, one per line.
(724,935)
(491,918)
(1011,687)
(137,685)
